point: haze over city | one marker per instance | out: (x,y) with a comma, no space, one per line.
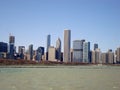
(30,21)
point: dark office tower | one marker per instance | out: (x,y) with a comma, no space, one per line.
(31,51)
(3,49)
(95,46)
(21,51)
(81,50)
(40,53)
(58,49)
(67,41)
(11,47)
(48,45)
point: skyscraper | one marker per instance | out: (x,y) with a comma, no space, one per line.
(96,56)
(58,49)
(21,51)
(3,49)
(40,52)
(67,41)
(11,47)
(48,45)
(30,51)
(48,42)
(81,50)
(76,51)
(86,52)
(104,58)
(118,55)
(95,46)
(52,54)
(110,58)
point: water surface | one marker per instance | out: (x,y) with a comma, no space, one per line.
(61,78)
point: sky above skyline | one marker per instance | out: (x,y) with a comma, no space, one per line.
(30,21)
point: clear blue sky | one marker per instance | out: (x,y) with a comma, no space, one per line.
(97,21)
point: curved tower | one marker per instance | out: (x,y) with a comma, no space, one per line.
(58,49)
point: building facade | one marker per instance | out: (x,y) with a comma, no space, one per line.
(96,56)
(39,53)
(11,47)
(58,49)
(67,45)
(3,49)
(52,54)
(95,46)
(118,55)
(21,51)
(110,58)
(48,45)
(104,58)
(86,52)
(76,51)
(30,52)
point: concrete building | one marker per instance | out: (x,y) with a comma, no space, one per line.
(110,57)
(58,49)
(118,55)
(67,45)
(48,45)
(104,58)
(86,52)
(52,54)
(96,56)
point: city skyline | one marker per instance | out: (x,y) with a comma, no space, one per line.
(80,53)
(97,21)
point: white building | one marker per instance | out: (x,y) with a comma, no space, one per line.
(52,54)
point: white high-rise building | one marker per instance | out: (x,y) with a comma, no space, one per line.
(67,41)
(52,54)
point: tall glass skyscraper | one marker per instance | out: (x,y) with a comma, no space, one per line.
(31,51)
(58,49)
(40,52)
(86,52)
(11,47)
(21,51)
(67,44)
(76,50)
(48,45)
(48,42)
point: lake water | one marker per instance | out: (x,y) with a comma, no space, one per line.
(61,78)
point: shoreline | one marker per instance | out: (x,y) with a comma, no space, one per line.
(55,66)
(6,63)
